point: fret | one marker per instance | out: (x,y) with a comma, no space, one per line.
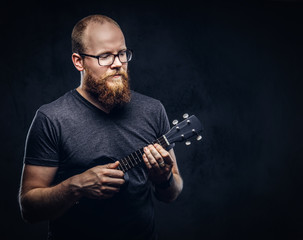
(124,164)
(159,141)
(136,163)
(141,153)
(120,168)
(137,156)
(163,142)
(137,160)
(128,165)
(131,157)
(128,158)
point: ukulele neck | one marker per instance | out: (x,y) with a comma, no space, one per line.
(135,158)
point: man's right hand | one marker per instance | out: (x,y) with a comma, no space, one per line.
(100,182)
(39,200)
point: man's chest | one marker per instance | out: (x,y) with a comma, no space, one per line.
(83,142)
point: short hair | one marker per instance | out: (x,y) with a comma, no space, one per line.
(79,29)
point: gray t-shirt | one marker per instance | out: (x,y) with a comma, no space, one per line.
(71,133)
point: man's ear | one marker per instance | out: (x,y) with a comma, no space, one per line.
(78,61)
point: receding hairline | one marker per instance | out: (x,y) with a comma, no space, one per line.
(81,27)
(97,18)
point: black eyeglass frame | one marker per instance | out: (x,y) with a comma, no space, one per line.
(115,55)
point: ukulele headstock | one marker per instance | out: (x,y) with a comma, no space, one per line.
(188,128)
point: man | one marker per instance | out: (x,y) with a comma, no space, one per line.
(67,176)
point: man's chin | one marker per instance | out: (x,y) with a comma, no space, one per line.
(115,84)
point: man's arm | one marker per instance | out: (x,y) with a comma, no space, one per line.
(40,201)
(166,178)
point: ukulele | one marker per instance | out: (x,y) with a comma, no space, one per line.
(183,131)
(188,128)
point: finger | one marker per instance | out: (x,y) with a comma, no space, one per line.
(110,169)
(114,173)
(165,154)
(151,154)
(112,165)
(152,161)
(109,181)
(146,162)
(157,156)
(162,164)
(109,189)
(155,153)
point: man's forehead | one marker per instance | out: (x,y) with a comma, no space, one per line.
(105,35)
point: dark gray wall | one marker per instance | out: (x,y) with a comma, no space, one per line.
(238,67)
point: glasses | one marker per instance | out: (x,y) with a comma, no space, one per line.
(107,59)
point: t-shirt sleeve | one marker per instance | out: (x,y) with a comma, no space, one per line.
(41,146)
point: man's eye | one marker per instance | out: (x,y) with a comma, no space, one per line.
(104,56)
(122,53)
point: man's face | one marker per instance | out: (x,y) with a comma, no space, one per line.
(108,83)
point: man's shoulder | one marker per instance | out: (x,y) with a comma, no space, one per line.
(140,98)
(146,104)
(61,105)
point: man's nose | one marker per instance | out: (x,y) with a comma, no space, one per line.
(117,63)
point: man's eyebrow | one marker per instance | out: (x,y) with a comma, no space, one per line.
(109,52)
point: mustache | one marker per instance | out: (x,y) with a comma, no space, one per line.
(119,72)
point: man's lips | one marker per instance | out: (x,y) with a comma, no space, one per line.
(116,77)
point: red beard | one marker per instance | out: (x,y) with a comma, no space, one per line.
(109,96)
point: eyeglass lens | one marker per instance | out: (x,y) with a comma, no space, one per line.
(108,59)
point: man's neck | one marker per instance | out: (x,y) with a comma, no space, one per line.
(91,99)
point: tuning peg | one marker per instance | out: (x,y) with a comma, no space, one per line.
(185,115)
(199,137)
(175,122)
(187,143)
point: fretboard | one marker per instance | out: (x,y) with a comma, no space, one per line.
(135,158)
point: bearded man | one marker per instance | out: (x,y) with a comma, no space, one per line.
(71,176)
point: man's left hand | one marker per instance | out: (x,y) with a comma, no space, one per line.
(158,162)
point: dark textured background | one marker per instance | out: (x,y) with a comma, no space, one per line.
(237,66)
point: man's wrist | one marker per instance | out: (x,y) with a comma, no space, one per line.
(74,188)
(167,183)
